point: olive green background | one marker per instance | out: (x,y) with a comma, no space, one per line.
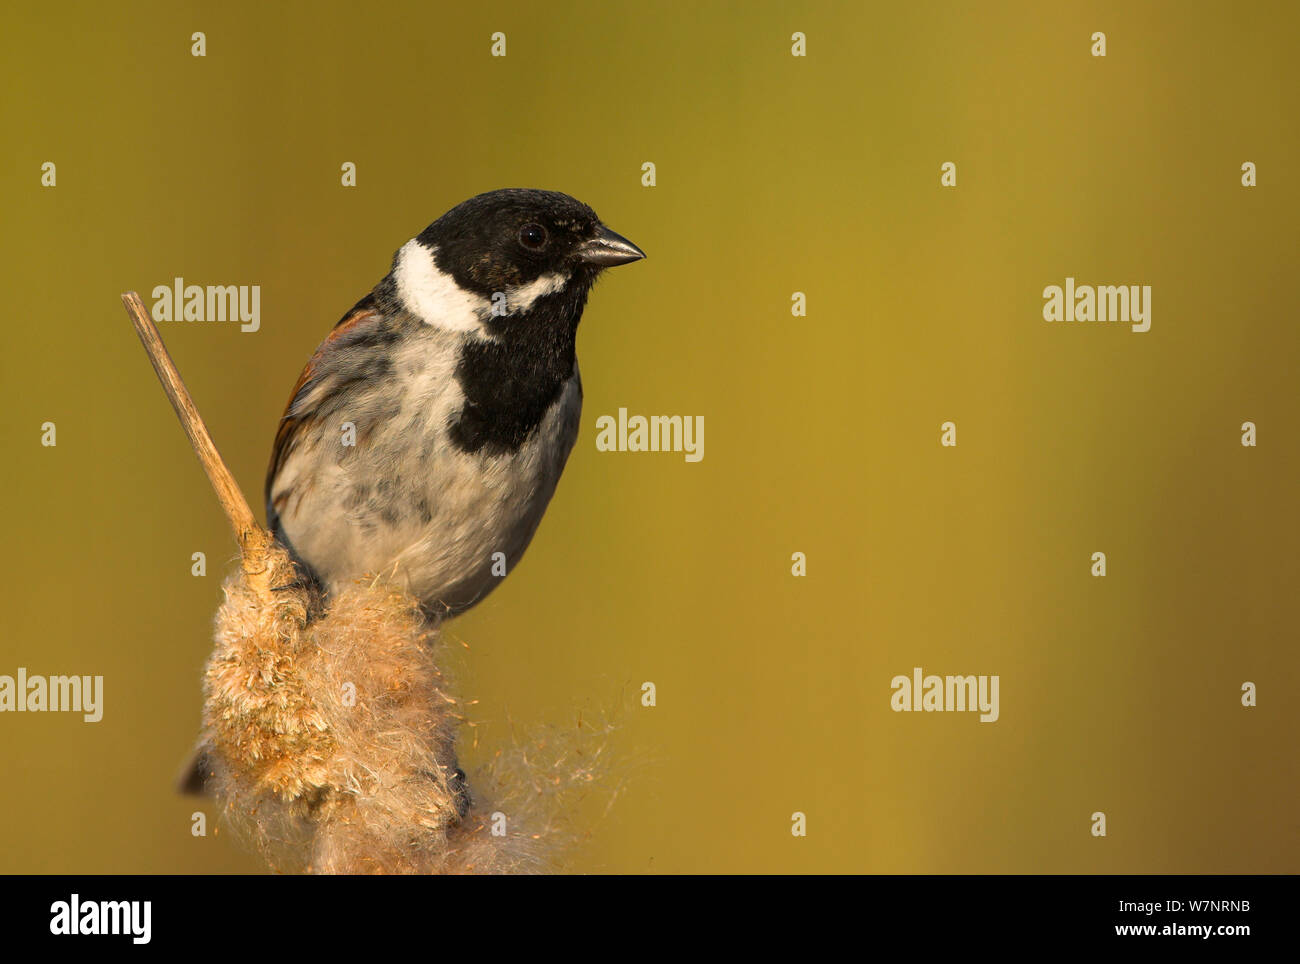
(775,175)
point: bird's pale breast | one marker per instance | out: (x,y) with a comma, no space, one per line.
(403,501)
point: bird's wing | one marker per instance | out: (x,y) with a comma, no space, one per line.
(359,326)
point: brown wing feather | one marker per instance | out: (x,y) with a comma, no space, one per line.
(290,424)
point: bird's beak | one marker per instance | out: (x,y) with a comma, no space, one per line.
(607,249)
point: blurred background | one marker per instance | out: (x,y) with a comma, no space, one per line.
(775,174)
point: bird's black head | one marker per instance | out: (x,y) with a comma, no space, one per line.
(524,241)
(509,271)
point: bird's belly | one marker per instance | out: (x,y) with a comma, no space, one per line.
(445,524)
(486,513)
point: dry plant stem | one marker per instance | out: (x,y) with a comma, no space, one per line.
(253,539)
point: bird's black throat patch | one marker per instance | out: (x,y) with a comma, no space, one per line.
(510,383)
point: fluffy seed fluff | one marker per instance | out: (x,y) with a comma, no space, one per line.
(330,740)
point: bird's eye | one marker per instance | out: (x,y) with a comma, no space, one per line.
(532,236)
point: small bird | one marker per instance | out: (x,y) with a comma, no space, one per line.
(424,439)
